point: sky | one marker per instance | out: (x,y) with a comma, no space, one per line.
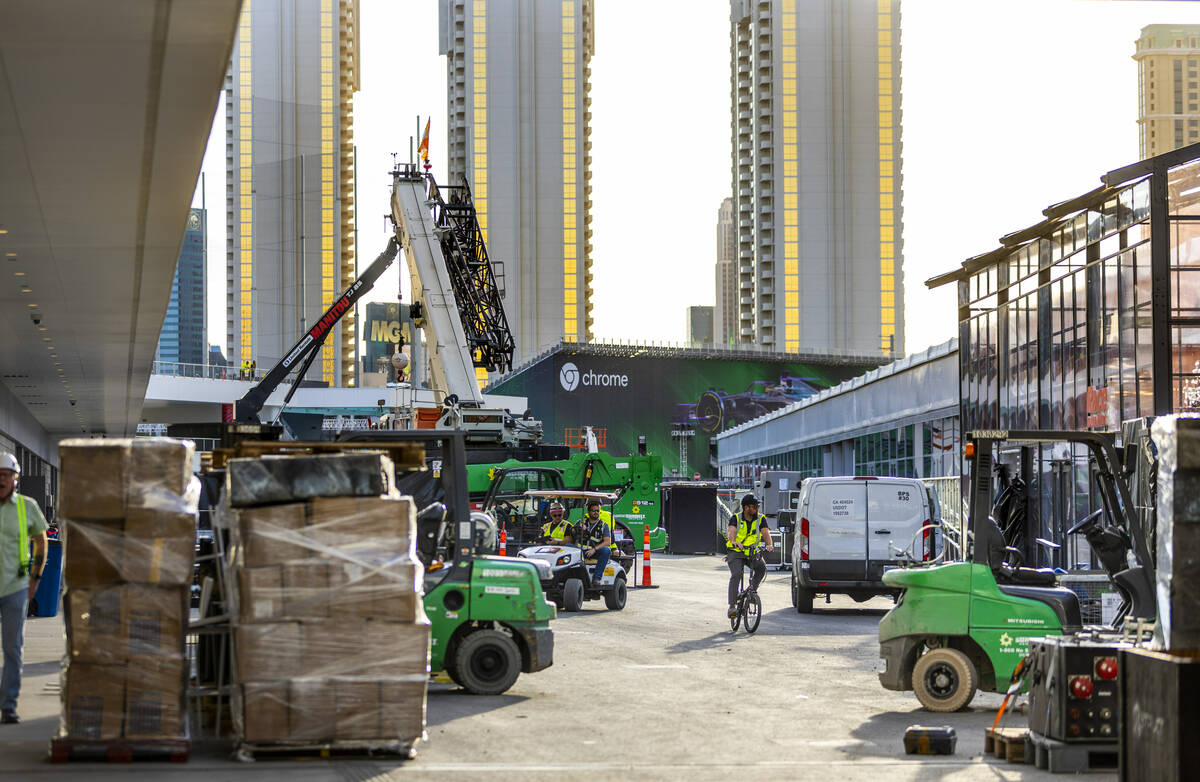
(1007,108)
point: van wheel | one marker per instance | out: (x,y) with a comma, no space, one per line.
(572,598)
(944,680)
(802,599)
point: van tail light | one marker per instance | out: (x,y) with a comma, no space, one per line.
(803,538)
(927,543)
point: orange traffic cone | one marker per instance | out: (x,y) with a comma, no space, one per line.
(646,560)
(503,540)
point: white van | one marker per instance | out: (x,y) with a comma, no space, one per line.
(848,530)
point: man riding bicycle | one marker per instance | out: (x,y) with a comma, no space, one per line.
(746,530)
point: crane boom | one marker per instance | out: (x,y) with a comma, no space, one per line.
(445,338)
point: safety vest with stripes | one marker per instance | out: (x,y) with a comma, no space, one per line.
(747,531)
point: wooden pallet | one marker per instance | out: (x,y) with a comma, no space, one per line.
(1059,757)
(63,750)
(404,455)
(1006,743)
(249,752)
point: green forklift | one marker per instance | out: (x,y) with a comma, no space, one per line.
(490,621)
(964,626)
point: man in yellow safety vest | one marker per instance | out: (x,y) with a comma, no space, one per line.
(556,528)
(21,522)
(746,529)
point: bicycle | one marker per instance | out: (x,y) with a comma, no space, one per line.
(748,606)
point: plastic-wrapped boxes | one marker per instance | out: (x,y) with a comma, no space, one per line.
(128,513)
(331,639)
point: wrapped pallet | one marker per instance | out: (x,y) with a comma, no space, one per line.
(330,636)
(127,508)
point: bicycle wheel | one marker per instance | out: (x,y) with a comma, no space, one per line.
(736,619)
(753,612)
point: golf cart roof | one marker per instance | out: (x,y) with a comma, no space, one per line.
(571,494)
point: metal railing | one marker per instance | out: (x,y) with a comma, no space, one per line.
(205,371)
(954,515)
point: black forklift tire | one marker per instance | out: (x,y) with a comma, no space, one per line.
(572,595)
(615,597)
(487,662)
(944,680)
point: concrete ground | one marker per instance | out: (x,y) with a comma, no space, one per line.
(659,691)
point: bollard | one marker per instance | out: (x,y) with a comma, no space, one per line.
(646,560)
(503,540)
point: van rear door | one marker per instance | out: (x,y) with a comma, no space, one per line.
(895,512)
(837,525)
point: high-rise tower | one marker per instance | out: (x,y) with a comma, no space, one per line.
(289,161)
(518,114)
(184,334)
(816,174)
(1168,58)
(725,314)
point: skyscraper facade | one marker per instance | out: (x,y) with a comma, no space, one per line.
(1168,58)
(725,312)
(518,114)
(289,180)
(184,338)
(816,174)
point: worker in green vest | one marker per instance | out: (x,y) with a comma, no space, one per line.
(594,535)
(746,530)
(21,522)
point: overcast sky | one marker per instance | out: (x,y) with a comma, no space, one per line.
(1007,108)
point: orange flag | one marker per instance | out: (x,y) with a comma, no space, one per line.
(423,147)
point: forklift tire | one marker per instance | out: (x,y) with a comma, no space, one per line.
(572,598)
(802,598)
(944,680)
(487,662)
(615,598)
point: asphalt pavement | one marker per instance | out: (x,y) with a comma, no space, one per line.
(660,691)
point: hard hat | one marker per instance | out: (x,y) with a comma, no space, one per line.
(749,499)
(9,462)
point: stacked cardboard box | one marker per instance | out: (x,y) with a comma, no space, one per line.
(330,636)
(128,513)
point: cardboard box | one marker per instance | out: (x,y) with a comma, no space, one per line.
(402,708)
(93,478)
(154,691)
(277,479)
(273,534)
(268,652)
(155,618)
(306,591)
(312,710)
(356,702)
(387,592)
(93,701)
(159,546)
(94,552)
(370,529)
(260,594)
(265,709)
(396,649)
(96,631)
(160,469)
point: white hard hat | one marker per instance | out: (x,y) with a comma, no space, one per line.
(9,462)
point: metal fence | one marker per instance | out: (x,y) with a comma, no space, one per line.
(207,371)
(954,515)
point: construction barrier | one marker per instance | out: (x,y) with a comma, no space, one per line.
(646,584)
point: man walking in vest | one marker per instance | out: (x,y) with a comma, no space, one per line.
(21,522)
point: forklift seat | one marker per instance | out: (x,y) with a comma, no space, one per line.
(1063,601)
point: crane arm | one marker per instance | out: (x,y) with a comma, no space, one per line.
(247,408)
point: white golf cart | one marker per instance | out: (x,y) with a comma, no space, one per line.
(570,579)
